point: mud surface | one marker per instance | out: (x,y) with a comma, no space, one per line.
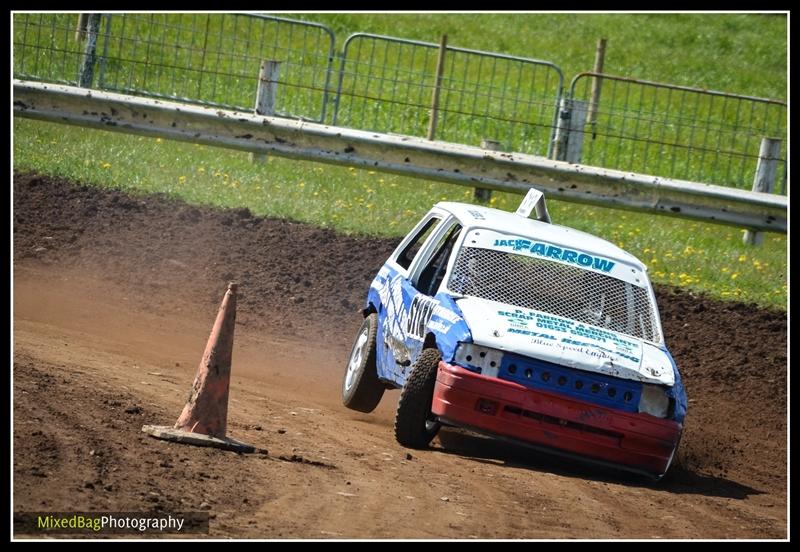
(114,297)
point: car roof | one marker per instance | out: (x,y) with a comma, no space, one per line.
(477,216)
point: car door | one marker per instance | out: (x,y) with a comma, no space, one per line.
(410,301)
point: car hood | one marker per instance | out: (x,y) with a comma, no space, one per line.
(565,342)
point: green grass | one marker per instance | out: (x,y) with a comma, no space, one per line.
(728,52)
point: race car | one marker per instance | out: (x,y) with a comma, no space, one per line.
(515,327)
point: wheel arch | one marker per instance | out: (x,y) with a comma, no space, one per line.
(369,309)
(430,341)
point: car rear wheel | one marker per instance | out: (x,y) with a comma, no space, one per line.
(361,388)
(414,424)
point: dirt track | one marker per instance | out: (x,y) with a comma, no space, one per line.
(114,297)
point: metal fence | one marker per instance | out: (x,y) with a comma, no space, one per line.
(387,84)
(408,87)
(209,59)
(47,47)
(676,131)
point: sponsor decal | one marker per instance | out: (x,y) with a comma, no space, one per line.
(420,314)
(548,251)
(544,328)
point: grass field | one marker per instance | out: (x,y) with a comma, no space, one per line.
(727,52)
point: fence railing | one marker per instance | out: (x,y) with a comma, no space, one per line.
(406,155)
(676,131)
(387,85)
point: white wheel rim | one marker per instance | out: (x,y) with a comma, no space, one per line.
(355,359)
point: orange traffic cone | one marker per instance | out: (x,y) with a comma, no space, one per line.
(204,419)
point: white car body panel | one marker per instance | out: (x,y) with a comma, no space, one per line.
(565,342)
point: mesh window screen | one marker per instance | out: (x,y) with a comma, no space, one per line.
(555,288)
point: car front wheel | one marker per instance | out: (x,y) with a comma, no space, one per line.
(361,388)
(414,424)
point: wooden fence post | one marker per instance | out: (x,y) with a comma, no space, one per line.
(577,124)
(268,75)
(768,157)
(86,71)
(80,28)
(437,89)
(569,131)
(597,82)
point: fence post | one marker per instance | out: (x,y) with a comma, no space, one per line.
(562,129)
(437,89)
(268,74)
(577,123)
(485,194)
(86,71)
(80,29)
(569,131)
(768,157)
(597,83)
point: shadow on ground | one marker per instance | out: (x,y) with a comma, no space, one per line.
(488,450)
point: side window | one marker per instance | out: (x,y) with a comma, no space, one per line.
(410,251)
(431,276)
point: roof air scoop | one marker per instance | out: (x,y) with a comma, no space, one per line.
(533,201)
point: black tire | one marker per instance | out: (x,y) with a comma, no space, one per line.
(414,424)
(361,388)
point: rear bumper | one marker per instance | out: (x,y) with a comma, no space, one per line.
(637,442)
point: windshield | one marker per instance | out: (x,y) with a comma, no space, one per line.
(555,288)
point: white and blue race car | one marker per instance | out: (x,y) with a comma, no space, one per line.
(522,329)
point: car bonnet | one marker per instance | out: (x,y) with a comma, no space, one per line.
(565,342)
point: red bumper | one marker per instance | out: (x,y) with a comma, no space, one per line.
(639,442)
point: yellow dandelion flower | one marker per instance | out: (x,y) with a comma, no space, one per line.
(734,275)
